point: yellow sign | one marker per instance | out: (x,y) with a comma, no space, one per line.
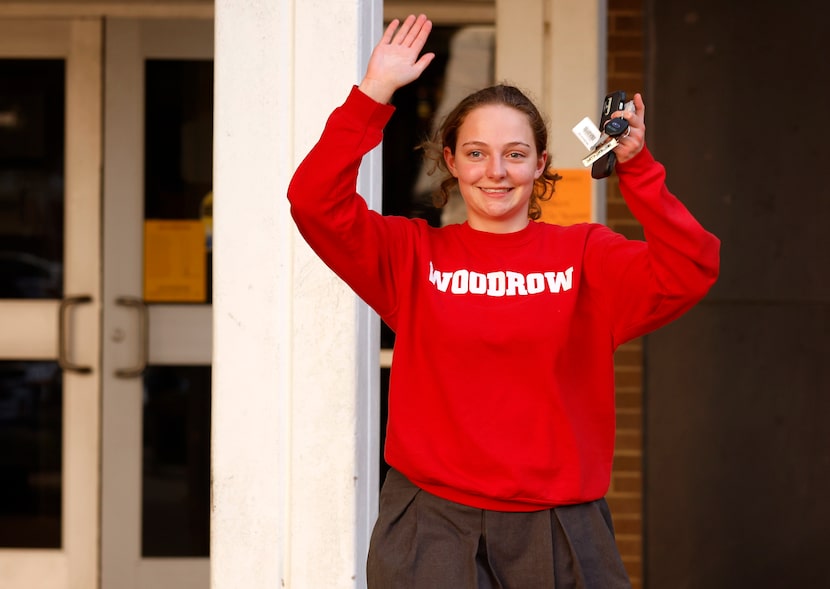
(571,203)
(175,268)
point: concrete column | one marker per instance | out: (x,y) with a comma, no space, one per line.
(556,50)
(577,57)
(295,438)
(520,46)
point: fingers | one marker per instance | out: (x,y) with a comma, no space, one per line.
(401,33)
(635,118)
(396,61)
(413,32)
(419,33)
(633,141)
(389,33)
(405,33)
(424,61)
(639,105)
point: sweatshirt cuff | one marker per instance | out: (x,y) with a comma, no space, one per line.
(641,161)
(374,113)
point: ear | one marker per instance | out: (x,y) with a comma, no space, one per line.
(449,158)
(541,162)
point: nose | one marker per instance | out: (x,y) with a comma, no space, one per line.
(495,168)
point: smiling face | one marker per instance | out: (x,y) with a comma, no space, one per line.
(496,163)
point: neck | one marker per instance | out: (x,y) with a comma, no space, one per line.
(497,226)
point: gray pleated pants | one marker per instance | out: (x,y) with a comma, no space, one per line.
(421,541)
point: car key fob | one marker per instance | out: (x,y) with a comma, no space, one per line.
(613,102)
(616,127)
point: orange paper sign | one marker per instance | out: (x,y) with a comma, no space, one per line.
(571,203)
(174,261)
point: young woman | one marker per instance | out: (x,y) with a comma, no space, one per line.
(501,401)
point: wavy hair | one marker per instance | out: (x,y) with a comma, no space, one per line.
(447,136)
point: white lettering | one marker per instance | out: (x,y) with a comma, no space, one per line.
(535,283)
(559,281)
(478,283)
(495,284)
(460,281)
(500,284)
(441,280)
(515,284)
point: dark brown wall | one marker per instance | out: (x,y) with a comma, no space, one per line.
(737,392)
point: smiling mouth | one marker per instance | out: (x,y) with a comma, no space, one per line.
(500,190)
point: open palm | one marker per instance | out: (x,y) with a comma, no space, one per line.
(396,60)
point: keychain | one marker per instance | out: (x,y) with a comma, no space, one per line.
(602,142)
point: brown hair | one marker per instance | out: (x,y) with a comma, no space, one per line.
(447,136)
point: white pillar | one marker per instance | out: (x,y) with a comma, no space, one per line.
(520,46)
(578,78)
(295,441)
(556,49)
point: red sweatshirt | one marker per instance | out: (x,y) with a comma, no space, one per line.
(502,384)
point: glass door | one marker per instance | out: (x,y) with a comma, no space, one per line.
(50,159)
(158,129)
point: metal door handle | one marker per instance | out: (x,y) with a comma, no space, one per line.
(144,342)
(63,354)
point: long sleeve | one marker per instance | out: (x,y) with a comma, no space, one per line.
(501,394)
(648,284)
(333,218)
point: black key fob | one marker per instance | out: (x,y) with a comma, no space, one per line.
(616,127)
(613,102)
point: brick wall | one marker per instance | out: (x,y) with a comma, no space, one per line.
(626,71)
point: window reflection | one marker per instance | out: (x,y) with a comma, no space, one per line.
(176,461)
(32,100)
(31,416)
(178,180)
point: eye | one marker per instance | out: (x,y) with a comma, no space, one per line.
(515,155)
(474,154)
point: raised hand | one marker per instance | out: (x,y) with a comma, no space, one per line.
(396,60)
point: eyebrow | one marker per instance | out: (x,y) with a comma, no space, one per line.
(482,143)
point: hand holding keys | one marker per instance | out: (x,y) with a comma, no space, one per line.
(603,142)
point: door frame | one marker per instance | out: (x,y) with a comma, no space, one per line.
(76,563)
(174,333)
